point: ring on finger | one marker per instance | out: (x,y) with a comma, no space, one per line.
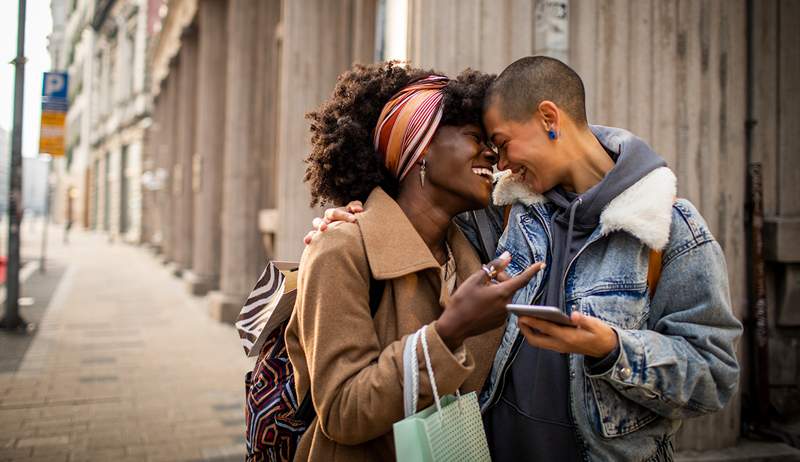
(490,271)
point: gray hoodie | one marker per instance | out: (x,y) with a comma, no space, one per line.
(531,420)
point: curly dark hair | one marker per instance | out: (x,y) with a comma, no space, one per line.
(343,165)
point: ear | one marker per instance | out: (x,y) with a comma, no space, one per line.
(550,115)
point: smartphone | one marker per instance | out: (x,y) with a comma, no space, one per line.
(548,313)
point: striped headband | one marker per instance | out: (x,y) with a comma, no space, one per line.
(407,124)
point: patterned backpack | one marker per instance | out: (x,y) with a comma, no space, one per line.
(275,418)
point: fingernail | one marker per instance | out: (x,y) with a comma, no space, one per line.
(505,255)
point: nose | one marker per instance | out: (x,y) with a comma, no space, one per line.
(489,154)
(503,163)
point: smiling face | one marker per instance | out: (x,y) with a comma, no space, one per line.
(525,148)
(459,165)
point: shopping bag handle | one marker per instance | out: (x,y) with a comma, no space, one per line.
(411,373)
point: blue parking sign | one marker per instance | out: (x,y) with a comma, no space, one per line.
(54,87)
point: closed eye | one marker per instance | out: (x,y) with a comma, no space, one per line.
(476,136)
(502,147)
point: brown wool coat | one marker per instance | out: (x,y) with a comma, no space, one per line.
(353,363)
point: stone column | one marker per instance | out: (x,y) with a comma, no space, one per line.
(210,146)
(310,63)
(167,156)
(149,160)
(187,99)
(250,23)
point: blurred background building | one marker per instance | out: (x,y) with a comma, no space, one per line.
(186,129)
(103,46)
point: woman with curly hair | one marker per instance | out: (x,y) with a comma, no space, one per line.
(410,144)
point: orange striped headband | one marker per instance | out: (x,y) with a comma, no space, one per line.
(407,124)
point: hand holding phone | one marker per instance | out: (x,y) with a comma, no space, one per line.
(547,313)
(585,335)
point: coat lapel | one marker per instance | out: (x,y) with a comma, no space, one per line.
(393,246)
(394,249)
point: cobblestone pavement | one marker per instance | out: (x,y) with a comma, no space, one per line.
(123,364)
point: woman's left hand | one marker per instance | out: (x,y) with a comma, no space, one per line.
(592,337)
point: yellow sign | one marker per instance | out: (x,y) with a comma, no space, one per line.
(54,111)
(51,138)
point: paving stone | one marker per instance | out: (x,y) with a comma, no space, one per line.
(43,441)
(125,365)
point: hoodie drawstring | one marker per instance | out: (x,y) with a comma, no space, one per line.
(567,244)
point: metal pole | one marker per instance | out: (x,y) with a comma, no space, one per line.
(11,319)
(758,305)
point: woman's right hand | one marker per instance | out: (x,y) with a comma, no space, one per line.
(479,304)
(332,215)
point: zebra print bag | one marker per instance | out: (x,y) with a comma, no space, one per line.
(275,418)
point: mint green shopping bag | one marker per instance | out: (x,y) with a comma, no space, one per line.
(449,430)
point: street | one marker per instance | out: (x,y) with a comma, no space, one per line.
(123,364)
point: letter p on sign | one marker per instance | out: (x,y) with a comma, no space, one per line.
(55,85)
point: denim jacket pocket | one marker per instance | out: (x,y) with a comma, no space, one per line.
(612,414)
(623,305)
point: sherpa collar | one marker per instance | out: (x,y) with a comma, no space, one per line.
(643,210)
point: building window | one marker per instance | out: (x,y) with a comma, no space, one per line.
(124,213)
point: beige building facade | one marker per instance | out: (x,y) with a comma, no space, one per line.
(120,113)
(102,44)
(233,79)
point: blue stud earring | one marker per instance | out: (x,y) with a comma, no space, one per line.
(551,134)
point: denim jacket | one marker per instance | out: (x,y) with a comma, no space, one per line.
(677,355)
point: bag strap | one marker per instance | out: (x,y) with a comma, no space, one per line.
(484,230)
(654,267)
(653,271)
(305,411)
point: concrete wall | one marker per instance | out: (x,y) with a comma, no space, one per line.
(673,72)
(451,35)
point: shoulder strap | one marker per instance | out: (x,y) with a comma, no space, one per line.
(306,412)
(654,267)
(653,271)
(484,230)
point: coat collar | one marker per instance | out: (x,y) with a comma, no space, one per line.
(395,249)
(644,210)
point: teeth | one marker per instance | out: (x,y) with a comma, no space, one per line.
(482,172)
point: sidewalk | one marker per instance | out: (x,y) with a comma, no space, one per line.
(124,364)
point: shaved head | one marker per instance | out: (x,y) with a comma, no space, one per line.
(528,81)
